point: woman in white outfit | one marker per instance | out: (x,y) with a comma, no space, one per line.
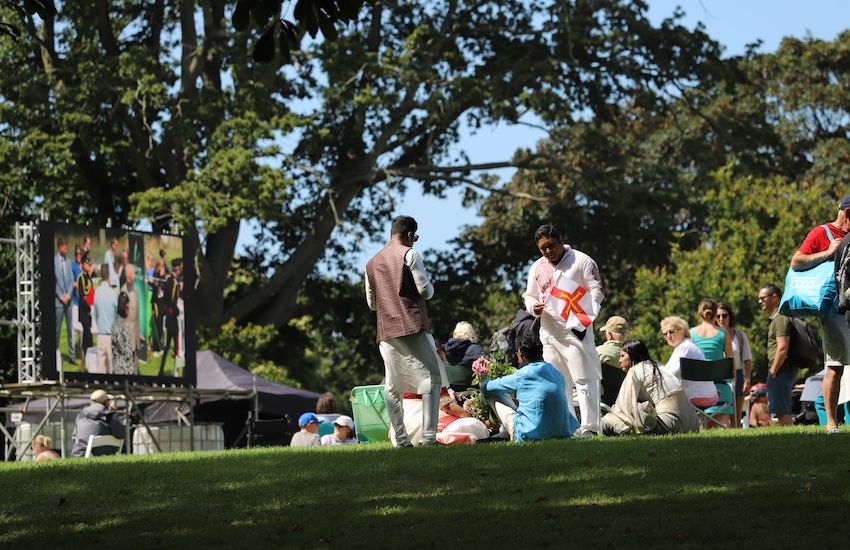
(651,400)
(676,333)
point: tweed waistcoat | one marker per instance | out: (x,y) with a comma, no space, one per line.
(400,309)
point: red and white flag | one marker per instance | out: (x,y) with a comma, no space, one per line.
(571,304)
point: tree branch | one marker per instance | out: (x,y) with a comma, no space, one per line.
(189,59)
(104,28)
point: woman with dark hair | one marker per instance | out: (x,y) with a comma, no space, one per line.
(326,413)
(741,356)
(123,350)
(651,400)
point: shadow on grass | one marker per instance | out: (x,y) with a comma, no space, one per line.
(773,487)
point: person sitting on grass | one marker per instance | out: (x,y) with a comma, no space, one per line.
(308,436)
(326,413)
(539,388)
(411,406)
(41,448)
(759,411)
(463,348)
(343,432)
(651,399)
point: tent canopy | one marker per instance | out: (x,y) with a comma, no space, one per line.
(217,373)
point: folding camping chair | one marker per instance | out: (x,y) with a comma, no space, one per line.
(99,445)
(722,373)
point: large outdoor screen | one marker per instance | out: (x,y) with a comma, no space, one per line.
(116,305)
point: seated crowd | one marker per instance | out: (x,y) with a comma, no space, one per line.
(640,396)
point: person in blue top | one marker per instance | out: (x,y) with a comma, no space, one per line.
(540,390)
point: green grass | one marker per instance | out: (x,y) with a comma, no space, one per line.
(753,489)
(149,368)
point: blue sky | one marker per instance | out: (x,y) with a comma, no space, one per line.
(733,23)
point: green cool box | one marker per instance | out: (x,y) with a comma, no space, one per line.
(370,413)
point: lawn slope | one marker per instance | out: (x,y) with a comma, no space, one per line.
(753,489)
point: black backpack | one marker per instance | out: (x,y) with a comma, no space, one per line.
(804,346)
(505,339)
(842,275)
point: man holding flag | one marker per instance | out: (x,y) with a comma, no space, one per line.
(565,290)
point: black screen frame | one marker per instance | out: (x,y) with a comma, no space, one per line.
(47,231)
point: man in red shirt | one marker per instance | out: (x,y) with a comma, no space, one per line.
(817,248)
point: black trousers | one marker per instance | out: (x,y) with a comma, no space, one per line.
(170,336)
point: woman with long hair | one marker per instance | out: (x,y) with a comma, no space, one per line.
(651,399)
(741,356)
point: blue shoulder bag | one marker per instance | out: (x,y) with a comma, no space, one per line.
(811,292)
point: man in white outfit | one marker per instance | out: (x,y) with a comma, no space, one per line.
(571,350)
(397,286)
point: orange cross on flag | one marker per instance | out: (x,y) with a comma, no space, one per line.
(571,304)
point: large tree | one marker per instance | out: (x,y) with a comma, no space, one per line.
(152,110)
(754,227)
(628,187)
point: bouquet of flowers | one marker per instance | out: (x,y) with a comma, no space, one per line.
(494,366)
(475,404)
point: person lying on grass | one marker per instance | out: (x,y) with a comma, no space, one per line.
(411,405)
(539,388)
(343,432)
(651,399)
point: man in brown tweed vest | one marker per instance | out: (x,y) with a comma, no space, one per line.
(397,286)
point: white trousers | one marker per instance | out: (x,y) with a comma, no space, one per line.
(588,393)
(506,417)
(412,365)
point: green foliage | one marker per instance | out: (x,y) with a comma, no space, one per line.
(246,345)
(754,227)
(140,113)
(311,16)
(275,373)
(240,344)
(493,365)
(330,344)
(628,184)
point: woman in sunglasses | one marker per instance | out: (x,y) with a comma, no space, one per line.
(741,355)
(677,335)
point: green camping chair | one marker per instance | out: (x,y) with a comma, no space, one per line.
(460,378)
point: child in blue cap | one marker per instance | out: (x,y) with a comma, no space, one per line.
(308,436)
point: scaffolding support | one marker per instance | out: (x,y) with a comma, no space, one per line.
(28,311)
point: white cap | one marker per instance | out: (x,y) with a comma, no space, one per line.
(345,421)
(100,396)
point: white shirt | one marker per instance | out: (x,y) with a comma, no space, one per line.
(420,277)
(688,350)
(741,353)
(579,355)
(576,266)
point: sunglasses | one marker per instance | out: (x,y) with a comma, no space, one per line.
(722,315)
(670,332)
(763,298)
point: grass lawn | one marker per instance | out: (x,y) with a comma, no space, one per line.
(149,367)
(747,489)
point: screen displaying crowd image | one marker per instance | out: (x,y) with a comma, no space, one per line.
(124,305)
